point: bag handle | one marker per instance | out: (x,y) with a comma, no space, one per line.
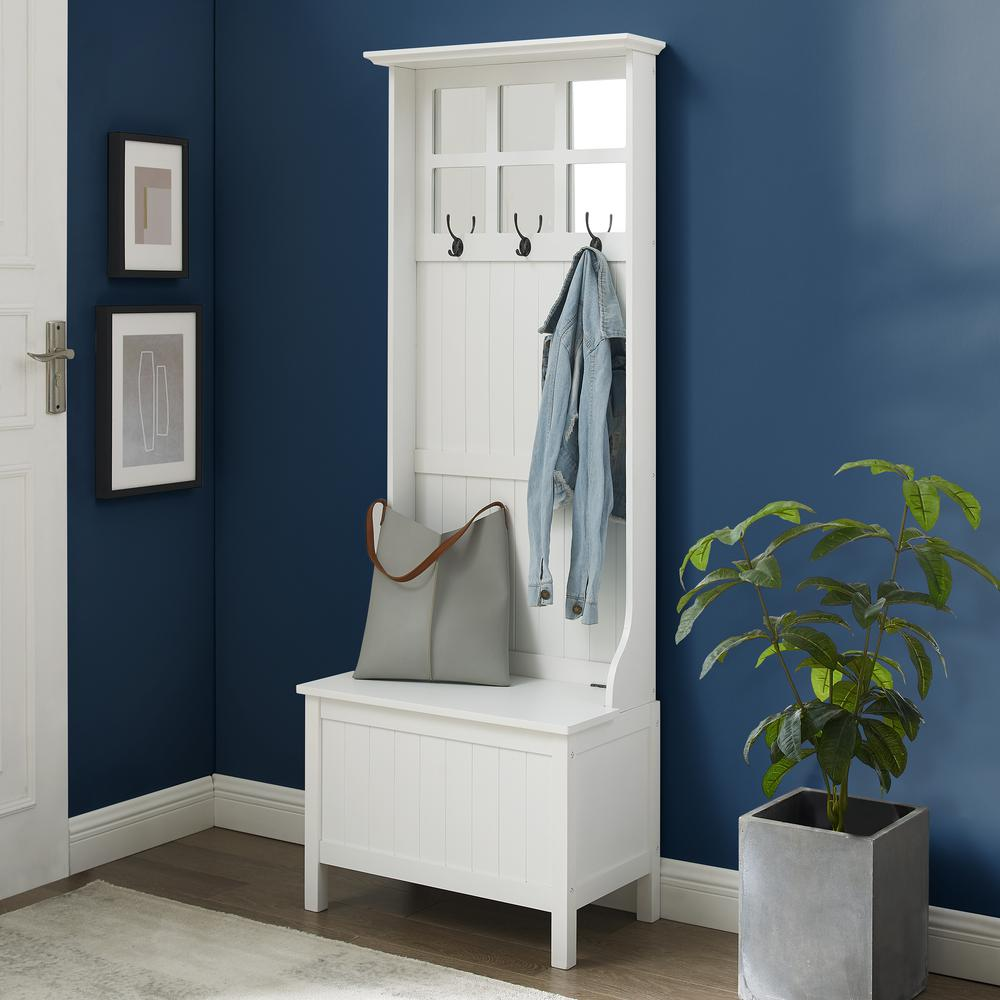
(428,560)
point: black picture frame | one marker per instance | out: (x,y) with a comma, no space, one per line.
(116,205)
(104,423)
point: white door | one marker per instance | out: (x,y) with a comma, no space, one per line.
(33,810)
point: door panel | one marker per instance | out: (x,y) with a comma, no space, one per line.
(33,801)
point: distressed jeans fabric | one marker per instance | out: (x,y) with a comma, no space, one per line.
(583,357)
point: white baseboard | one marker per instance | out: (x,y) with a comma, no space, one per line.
(256,807)
(963,945)
(104,835)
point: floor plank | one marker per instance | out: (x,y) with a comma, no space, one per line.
(618,957)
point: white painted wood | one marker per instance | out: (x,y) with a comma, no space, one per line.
(34,828)
(116,831)
(529,703)
(401,360)
(257,807)
(543,793)
(632,677)
(317,801)
(486,53)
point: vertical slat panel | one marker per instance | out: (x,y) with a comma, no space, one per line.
(458,805)
(383,775)
(502,358)
(333,781)
(526,348)
(503,489)
(477,358)
(433,770)
(430,501)
(603,637)
(617,532)
(357,766)
(452,502)
(538,796)
(477,495)
(406,840)
(525,618)
(453,357)
(486,810)
(512,815)
(429,356)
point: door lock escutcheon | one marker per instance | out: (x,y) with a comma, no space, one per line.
(55,357)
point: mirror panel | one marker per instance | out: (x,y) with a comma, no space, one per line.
(460,191)
(529,191)
(598,188)
(597,114)
(527,116)
(460,120)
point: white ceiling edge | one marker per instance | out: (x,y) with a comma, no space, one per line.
(530,50)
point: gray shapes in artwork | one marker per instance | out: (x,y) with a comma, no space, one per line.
(152,206)
(152,399)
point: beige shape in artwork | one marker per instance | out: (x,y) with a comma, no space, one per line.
(153,206)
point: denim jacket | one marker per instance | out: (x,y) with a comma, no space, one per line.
(578,452)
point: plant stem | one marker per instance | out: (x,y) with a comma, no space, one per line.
(772,631)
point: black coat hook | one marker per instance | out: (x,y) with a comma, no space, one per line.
(595,241)
(524,247)
(457,246)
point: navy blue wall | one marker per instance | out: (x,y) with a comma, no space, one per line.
(141,619)
(827,287)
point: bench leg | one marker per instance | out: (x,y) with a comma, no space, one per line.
(647,899)
(564,937)
(316,898)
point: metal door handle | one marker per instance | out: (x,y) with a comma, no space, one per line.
(55,357)
(64,353)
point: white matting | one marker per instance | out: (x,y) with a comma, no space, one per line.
(103,942)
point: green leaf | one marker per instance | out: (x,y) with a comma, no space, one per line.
(757,730)
(770,651)
(765,573)
(971,507)
(790,734)
(774,774)
(922,498)
(816,716)
(787,510)
(835,747)
(947,549)
(825,617)
(771,731)
(716,576)
(820,677)
(864,612)
(878,466)
(696,607)
(914,597)
(892,703)
(896,624)
(844,592)
(845,694)
(937,571)
(817,644)
(790,534)
(848,533)
(864,753)
(722,650)
(886,744)
(921,662)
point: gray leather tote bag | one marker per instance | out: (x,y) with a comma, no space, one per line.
(440,604)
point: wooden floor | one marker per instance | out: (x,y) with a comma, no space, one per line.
(618,957)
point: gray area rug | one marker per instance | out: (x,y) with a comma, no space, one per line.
(102,942)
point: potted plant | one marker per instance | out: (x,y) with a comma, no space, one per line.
(833,887)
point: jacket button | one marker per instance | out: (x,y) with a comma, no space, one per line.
(577,610)
(545,595)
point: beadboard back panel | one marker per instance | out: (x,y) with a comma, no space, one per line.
(478,371)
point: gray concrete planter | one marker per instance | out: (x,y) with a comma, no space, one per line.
(833,916)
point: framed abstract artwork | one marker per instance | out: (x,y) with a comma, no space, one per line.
(148,399)
(147,206)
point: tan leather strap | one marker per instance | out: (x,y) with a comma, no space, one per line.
(430,559)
